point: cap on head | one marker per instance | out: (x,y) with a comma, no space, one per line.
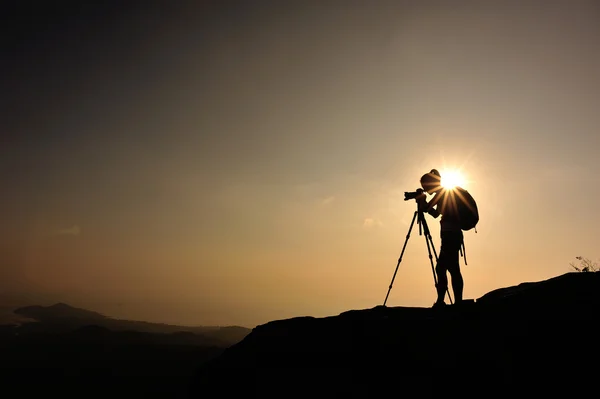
(431,181)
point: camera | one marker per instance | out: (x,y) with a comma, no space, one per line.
(416,195)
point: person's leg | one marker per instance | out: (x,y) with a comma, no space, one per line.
(442,281)
(457,285)
(453,244)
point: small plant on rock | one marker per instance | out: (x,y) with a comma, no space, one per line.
(584,265)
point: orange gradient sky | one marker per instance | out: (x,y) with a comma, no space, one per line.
(237,164)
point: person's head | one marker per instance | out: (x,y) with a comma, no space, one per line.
(431,182)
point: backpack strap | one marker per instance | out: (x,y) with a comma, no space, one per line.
(463,251)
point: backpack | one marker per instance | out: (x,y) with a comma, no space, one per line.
(468,214)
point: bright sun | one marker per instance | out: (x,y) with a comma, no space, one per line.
(452,178)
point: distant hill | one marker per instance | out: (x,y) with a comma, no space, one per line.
(535,339)
(61,317)
(59,311)
(8,317)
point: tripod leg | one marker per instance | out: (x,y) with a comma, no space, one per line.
(430,247)
(400,258)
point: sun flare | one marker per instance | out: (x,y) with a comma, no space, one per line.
(452,178)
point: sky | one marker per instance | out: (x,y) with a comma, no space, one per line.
(233,163)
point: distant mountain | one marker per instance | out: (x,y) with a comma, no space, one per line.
(8,317)
(59,311)
(61,317)
(10,301)
(531,340)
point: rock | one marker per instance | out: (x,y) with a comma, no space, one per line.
(528,339)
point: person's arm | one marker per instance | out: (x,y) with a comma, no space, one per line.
(431,206)
(433,212)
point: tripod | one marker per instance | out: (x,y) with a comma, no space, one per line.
(420,217)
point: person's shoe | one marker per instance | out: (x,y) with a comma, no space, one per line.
(439,305)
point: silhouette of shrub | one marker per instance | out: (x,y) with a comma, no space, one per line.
(585,265)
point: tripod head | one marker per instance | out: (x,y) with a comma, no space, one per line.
(419,196)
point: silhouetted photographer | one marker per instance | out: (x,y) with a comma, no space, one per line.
(444,203)
(459,213)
